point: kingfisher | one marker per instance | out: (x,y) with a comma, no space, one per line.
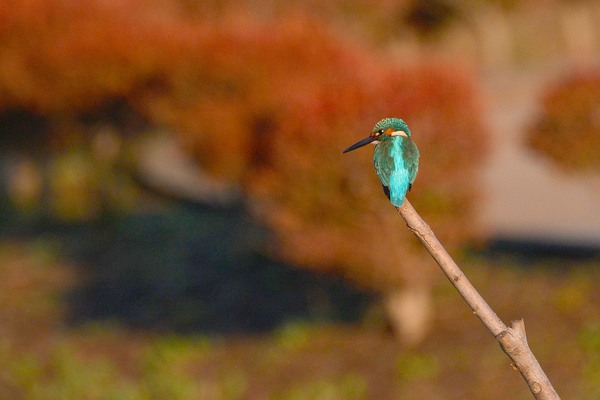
(396,157)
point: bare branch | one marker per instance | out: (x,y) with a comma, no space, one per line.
(513,339)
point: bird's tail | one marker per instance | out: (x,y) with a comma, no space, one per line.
(386,190)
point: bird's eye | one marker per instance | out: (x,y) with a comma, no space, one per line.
(380,132)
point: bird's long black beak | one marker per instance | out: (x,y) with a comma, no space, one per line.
(361,143)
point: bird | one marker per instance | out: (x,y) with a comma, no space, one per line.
(396,157)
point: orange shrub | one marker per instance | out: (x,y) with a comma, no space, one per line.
(568,127)
(269,104)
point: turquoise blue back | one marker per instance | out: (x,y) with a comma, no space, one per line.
(396,162)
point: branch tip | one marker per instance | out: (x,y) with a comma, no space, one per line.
(513,339)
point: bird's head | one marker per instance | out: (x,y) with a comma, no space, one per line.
(385,129)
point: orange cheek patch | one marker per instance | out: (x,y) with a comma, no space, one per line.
(389,131)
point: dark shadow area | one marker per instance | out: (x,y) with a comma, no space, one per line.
(191,269)
(183,267)
(534,251)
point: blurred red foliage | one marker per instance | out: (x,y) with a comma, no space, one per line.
(268,103)
(568,127)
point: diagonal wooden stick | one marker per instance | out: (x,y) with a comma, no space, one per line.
(513,339)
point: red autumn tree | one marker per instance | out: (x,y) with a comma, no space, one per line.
(568,127)
(269,103)
(272,105)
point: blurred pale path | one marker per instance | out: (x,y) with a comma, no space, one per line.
(529,197)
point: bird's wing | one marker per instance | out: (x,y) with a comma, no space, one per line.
(411,159)
(384,163)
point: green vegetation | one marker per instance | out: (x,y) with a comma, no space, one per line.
(347,387)
(589,342)
(44,359)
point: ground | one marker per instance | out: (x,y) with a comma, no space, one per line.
(43,358)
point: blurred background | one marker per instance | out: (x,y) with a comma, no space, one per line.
(177,220)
